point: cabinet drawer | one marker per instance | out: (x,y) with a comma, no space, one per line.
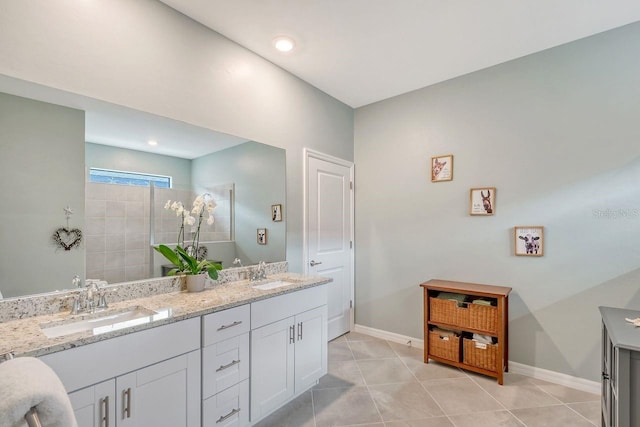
(226,324)
(224,364)
(228,408)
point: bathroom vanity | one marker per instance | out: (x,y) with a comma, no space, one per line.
(229,355)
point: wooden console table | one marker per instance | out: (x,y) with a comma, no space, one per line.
(467,318)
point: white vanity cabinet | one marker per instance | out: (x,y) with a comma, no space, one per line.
(144,379)
(288,347)
(225,367)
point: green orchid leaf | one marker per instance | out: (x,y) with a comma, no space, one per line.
(169,254)
(213,271)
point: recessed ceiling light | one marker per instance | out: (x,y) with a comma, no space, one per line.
(152,143)
(284,44)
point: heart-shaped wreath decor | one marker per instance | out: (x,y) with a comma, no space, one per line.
(68,238)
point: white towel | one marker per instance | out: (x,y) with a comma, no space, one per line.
(27,382)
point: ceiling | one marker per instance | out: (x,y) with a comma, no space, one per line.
(363,51)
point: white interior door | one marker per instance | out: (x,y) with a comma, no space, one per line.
(329,247)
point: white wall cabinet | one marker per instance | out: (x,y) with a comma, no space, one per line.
(159,395)
(149,378)
(288,355)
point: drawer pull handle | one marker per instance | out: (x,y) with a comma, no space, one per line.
(223,367)
(105,414)
(229,415)
(236,323)
(126,397)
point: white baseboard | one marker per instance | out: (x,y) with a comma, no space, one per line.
(555,377)
(514,367)
(389,336)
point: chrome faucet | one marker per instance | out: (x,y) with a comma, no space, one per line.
(237,262)
(260,272)
(90,297)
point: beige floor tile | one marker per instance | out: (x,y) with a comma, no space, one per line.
(342,374)
(460,396)
(341,338)
(404,401)
(371,350)
(486,419)
(590,410)
(356,336)
(569,395)
(517,392)
(403,350)
(297,413)
(425,422)
(559,415)
(432,370)
(343,407)
(384,371)
(339,351)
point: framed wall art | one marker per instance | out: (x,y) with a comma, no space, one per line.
(262,236)
(482,201)
(529,240)
(442,168)
(276,213)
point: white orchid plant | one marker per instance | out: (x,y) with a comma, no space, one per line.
(185,259)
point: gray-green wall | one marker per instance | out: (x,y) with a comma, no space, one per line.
(41,172)
(558,134)
(258,172)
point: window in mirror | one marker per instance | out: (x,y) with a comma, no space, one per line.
(107,176)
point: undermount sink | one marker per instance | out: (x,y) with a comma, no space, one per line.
(274,284)
(102,322)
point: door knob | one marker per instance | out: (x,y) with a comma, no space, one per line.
(313,263)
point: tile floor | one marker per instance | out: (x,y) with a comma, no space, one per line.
(376,383)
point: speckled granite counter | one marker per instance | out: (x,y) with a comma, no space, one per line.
(24,337)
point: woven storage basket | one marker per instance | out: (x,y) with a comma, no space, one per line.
(447,311)
(480,355)
(444,347)
(483,317)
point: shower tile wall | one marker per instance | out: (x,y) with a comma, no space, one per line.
(117,232)
(118,222)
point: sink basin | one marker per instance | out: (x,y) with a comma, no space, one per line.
(274,284)
(106,321)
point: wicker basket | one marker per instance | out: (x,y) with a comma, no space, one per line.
(483,317)
(480,355)
(447,311)
(446,347)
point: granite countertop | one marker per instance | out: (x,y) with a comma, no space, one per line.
(24,337)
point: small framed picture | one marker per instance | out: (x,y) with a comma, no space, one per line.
(529,240)
(276,213)
(482,201)
(262,236)
(442,168)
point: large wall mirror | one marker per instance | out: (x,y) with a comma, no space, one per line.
(61,164)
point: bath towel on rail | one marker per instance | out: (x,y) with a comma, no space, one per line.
(27,382)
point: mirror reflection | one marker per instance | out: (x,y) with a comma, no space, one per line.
(46,167)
